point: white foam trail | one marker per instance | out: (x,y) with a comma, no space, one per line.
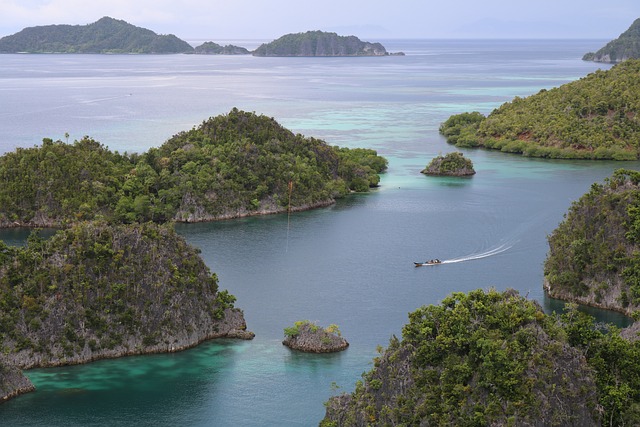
(490,252)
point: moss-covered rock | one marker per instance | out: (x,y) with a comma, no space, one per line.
(451,164)
(308,337)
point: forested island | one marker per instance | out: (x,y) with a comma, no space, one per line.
(451,164)
(107,35)
(595,117)
(308,337)
(95,291)
(594,255)
(626,46)
(320,43)
(232,165)
(211,48)
(494,358)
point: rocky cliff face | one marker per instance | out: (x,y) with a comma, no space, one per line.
(96,291)
(594,254)
(12,382)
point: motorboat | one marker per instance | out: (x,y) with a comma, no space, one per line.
(430,262)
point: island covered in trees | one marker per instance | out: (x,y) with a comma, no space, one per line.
(494,358)
(595,117)
(113,36)
(107,35)
(594,255)
(320,43)
(451,164)
(95,290)
(232,165)
(116,279)
(626,46)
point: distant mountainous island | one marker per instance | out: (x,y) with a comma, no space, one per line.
(106,35)
(626,46)
(211,48)
(113,36)
(320,43)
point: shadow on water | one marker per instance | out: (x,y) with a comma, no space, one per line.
(552,305)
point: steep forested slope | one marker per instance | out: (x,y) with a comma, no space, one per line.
(96,291)
(491,358)
(594,255)
(595,117)
(232,165)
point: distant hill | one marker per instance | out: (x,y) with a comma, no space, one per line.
(106,35)
(627,46)
(319,43)
(595,117)
(211,48)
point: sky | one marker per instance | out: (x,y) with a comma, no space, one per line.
(368,19)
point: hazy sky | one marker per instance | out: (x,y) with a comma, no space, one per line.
(367,19)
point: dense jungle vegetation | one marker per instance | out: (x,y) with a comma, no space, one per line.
(94,290)
(492,358)
(626,46)
(594,255)
(231,165)
(107,35)
(595,117)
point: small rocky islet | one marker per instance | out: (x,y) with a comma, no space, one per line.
(308,337)
(451,164)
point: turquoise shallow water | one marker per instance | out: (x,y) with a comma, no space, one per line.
(349,264)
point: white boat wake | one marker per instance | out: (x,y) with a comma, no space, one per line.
(490,252)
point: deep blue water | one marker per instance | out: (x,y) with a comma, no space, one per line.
(349,264)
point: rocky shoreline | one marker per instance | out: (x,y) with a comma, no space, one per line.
(13,383)
(232,325)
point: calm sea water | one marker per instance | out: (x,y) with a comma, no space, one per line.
(349,264)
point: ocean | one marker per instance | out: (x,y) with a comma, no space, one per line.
(351,263)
